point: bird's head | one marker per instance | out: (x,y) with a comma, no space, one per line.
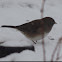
(50,21)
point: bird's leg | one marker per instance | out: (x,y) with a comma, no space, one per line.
(34,42)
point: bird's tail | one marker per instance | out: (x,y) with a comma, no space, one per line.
(8,26)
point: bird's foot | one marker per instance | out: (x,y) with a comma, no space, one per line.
(34,42)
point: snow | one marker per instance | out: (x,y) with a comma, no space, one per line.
(17,12)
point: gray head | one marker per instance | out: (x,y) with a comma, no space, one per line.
(50,21)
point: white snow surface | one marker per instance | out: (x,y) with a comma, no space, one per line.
(17,12)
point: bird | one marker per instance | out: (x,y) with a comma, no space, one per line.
(36,29)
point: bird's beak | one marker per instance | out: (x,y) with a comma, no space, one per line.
(55,23)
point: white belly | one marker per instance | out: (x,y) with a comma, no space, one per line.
(38,37)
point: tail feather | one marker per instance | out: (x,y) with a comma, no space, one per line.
(8,26)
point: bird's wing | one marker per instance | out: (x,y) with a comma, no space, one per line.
(31,26)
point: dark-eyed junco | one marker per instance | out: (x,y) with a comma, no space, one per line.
(35,29)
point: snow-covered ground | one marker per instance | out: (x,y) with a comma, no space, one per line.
(17,12)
